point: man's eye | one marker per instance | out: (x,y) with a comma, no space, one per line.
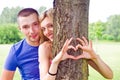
(25,27)
(36,23)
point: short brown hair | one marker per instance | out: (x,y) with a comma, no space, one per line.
(26,12)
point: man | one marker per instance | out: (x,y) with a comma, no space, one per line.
(24,54)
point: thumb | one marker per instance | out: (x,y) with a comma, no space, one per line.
(80,57)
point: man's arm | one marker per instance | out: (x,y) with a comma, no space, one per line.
(7,75)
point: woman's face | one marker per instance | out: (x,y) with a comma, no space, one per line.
(47,28)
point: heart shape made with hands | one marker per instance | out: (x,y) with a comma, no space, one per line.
(74,51)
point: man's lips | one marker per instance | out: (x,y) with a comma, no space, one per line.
(33,36)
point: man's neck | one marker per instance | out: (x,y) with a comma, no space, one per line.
(33,43)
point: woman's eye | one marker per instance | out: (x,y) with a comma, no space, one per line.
(50,26)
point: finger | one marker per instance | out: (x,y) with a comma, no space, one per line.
(70,40)
(90,43)
(65,45)
(81,41)
(71,57)
(72,47)
(80,56)
(85,40)
(79,46)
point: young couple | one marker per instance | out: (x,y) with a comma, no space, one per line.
(24,54)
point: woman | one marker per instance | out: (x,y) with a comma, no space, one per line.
(48,65)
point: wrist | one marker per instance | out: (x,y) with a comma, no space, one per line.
(52,74)
(96,58)
(55,62)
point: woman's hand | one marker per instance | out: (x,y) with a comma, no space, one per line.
(62,55)
(88,52)
(95,61)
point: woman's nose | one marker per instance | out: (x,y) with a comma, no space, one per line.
(47,31)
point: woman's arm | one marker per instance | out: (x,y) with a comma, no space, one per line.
(47,69)
(99,65)
(93,59)
(45,61)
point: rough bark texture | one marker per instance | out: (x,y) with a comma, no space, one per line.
(70,20)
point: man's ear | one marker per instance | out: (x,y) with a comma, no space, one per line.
(19,28)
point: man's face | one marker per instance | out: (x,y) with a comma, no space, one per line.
(30,27)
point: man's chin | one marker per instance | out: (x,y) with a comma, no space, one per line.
(34,40)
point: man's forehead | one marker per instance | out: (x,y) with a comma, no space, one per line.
(30,17)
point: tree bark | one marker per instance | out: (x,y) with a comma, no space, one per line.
(70,20)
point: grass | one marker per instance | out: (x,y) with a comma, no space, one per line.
(108,51)
(4,49)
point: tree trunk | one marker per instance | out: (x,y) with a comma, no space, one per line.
(70,20)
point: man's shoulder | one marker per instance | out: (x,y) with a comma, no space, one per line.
(19,43)
(17,47)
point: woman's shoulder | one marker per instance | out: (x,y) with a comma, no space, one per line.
(45,49)
(46,44)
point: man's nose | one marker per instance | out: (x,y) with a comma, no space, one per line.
(31,30)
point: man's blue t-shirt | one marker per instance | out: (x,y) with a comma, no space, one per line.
(25,57)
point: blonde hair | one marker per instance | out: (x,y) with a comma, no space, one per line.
(42,37)
(47,13)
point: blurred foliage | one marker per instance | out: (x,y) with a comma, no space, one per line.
(9,15)
(109,30)
(113,27)
(9,33)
